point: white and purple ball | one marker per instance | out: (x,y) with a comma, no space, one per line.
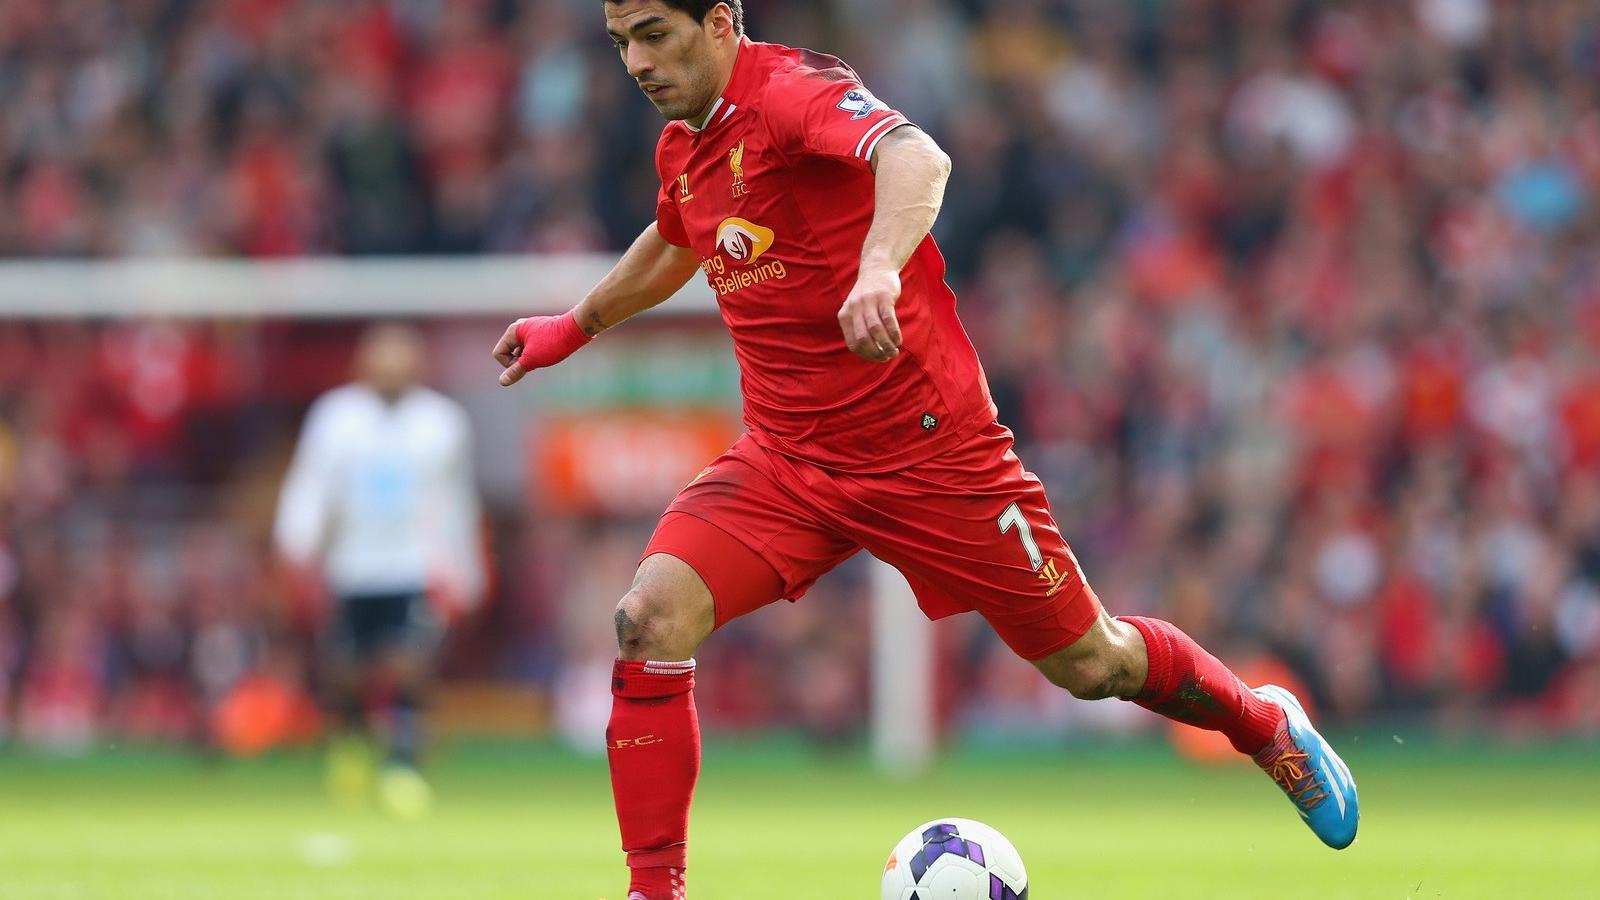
(954,859)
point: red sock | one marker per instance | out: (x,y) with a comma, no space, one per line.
(1189,685)
(653,743)
(651,882)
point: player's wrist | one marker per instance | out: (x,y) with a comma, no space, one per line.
(574,332)
(588,320)
(547,340)
(878,264)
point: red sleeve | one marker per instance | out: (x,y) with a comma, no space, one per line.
(668,221)
(825,115)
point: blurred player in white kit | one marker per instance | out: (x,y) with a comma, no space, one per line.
(380,504)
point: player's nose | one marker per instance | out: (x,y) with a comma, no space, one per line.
(638,61)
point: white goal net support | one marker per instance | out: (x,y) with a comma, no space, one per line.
(902,718)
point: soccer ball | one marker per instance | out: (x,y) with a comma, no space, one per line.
(954,859)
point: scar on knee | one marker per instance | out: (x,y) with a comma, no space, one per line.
(628,632)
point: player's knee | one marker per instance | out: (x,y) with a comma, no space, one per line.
(652,625)
(1087,678)
(666,614)
(1097,667)
(638,618)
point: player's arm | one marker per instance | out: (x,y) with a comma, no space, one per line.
(652,270)
(911,173)
(303,524)
(459,580)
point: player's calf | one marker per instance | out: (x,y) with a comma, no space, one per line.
(1187,684)
(653,745)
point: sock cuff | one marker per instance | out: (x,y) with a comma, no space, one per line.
(634,679)
(1158,651)
(673,857)
(653,667)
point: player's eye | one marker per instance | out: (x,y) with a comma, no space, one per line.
(654,37)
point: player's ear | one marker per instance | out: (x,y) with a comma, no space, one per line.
(722,22)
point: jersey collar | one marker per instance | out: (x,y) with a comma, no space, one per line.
(732,96)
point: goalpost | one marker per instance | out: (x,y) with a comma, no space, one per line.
(902,721)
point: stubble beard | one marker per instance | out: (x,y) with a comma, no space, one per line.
(682,110)
(691,100)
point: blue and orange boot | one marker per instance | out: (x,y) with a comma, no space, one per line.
(1317,781)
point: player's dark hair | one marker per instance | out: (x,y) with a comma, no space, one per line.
(699,9)
(702,8)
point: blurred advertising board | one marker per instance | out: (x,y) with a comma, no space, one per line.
(624,462)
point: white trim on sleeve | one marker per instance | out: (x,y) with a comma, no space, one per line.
(879,130)
(886,132)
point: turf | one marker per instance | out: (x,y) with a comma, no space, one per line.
(784,823)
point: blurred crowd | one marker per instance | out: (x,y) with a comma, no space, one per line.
(1294,306)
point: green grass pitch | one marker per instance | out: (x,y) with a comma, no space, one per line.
(777,821)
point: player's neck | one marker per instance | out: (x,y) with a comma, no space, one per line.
(730,60)
(391,395)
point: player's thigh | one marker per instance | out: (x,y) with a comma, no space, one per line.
(706,575)
(972,530)
(750,539)
(362,626)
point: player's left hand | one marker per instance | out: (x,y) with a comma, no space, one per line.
(867,316)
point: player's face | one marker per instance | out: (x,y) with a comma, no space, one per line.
(667,52)
(390,359)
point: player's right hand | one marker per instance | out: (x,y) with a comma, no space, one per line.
(537,343)
(867,317)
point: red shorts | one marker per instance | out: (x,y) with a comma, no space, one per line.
(970,529)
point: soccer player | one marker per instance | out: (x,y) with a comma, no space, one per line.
(380,505)
(807,203)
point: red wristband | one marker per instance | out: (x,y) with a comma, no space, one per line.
(547,340)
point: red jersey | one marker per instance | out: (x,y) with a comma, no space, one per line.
(775,196)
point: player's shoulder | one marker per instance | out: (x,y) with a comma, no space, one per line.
(795,72)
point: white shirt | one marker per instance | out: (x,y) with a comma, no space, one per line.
(381,495)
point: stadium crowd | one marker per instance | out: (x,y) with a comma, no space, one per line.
(1294,306)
